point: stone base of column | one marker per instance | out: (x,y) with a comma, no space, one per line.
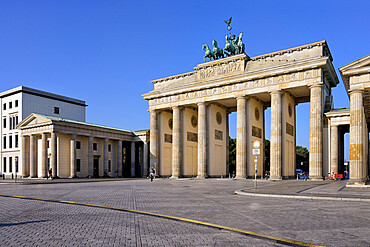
(315,179)
(356,182)
(200,177)
(174,177)
(239,177)
(275,178)
(73,176)
(32,176)
(25,176)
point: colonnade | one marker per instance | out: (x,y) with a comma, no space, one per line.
(279,158)
(34,166)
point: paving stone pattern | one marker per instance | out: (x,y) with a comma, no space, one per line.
(37,223)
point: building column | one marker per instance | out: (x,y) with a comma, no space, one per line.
(356,138)
(33,161)
(58,156)
(73,157)
(105,158)
(154,140)
(176,143)
(90,157)
(53,157)
(316,132)
(145,158)
(334,154)
(44,155)
(241,138)
(275,145)
(202,140)
(25,151)
(133,159)
(119,158)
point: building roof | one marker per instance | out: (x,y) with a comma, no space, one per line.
(40,93)
(82,123)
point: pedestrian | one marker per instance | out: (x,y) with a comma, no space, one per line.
(50,173)
(151,175)
(116,173)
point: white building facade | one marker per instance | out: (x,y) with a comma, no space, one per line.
(16,104)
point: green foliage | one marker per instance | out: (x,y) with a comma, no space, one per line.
(302,157)
(232,154)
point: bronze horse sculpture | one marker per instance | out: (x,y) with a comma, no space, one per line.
(229,49)
(208,53)
(217,52)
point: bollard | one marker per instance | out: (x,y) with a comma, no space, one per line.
(12,176)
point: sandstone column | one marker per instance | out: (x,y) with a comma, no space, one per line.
(58,156)
(53,157)
(90,156)
(275,145)
(105,158)
(73,157)
(119,157)
(153,140)
(202,140)
(133,159)
(44,156)
(316,132)
(334,154)
(241,138)
(25,151)
(33,161)
(356,138)
(145,157)
(176,143)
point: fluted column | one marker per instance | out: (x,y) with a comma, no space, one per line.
(334,149)
(356,138)
(316,132)
(275,145)
(241,138)
(25,152)
(154,140)
(105,158)
(133,159)
(90,157)
(33,161)
(53,157)
(145,158)
(176,143)
(44,156)
(202,140)
(119,157)
(73,156)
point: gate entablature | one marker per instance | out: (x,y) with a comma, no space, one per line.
(293,69)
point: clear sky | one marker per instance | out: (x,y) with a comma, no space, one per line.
(107,52)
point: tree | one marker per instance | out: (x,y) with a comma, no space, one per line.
(232,154)
(302,156)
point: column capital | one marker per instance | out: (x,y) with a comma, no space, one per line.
(362,91)
(319,84)
(201,103)
(276,92)
(241,97)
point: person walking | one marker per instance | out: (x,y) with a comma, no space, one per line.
(151,175)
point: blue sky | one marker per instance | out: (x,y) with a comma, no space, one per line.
(107,52)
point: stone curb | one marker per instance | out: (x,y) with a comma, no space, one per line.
(328,198)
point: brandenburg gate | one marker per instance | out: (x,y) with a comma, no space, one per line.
(189,112)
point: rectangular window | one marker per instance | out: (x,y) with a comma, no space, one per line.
(56,110)
(4,164)
(95,146)
(16,103)
(109,165)
(16,141)
(4,106)
(48,144)
(4,142)
(13,123)
(16,120)
(78,165)
(109,147)
(10,141)
(4,123)
(10,105)
(10,123)
(78,145)
(10,164)
(16,164)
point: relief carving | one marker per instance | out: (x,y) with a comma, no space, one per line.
(168,138)
(192,137)
(289,129)
(218,135)
(256,132)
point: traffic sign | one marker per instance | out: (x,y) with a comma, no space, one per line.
(256,151)
(256,144)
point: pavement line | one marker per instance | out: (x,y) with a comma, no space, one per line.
(346,199)
(279,240)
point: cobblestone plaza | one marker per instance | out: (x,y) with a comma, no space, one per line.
(25,222)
